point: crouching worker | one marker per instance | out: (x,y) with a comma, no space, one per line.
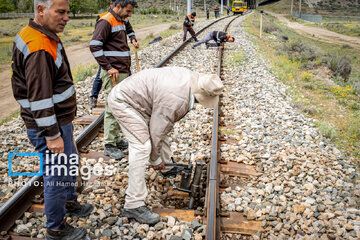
(147,105)
(218,37)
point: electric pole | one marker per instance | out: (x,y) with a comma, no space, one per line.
(300,9)
(291,8)
(188,6)
(222,6)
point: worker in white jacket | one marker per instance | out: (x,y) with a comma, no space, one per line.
(146,105)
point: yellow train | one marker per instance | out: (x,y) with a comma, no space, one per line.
(239,7)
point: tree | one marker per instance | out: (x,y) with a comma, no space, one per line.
(25,6)
(102,4)
(77,6)
(91,6)
(6,6)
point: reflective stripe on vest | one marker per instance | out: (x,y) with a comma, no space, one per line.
(114,23)
(217,37)
(96,43)
(48,102)
(118,28)
(111,53)
(46,121)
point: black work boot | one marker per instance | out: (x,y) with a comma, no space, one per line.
(113,152)
(67,232)
(122,144)
(142,215)
(76,209)
(207,45)
(93,102)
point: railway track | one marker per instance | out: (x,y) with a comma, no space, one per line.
(270,168)
(217,221)
(30,196)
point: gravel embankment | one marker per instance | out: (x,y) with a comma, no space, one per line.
(306,190)
(107,193)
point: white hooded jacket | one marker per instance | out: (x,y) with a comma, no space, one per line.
(152,101)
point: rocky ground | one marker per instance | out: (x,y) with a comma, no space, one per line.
(188,143)
(306,190)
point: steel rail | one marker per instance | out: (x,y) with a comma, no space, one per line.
(172,54)
(90,133)
(212,193)
(21,200)
(19,203)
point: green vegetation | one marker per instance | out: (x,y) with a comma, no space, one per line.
(156,11)
(323,79)
(27,6)
(5,54)
(235,59)
(230,131)
(6,6)
(81,72)
(324,7)
(328,130)
(10,118)
(338,17)
(76,31)
(350,29)
(345,28)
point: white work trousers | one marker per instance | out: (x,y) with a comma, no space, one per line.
(139,156)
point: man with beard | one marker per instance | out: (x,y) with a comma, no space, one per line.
(110,49)
(97,81)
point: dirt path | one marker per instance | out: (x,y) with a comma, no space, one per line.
(320,33)
(77,54)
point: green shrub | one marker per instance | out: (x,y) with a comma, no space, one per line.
(72,39)
(153,11)
(296,50)
(306,76)
(10,117)
(326,129)
(354,106)
(149,11)
(339,65)
(168,11)
(6,52)
(353,127)
(81,72)
(174,27)
(269,27)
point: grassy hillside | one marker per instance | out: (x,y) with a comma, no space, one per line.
(159,4)
(323,7)
(308,68)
